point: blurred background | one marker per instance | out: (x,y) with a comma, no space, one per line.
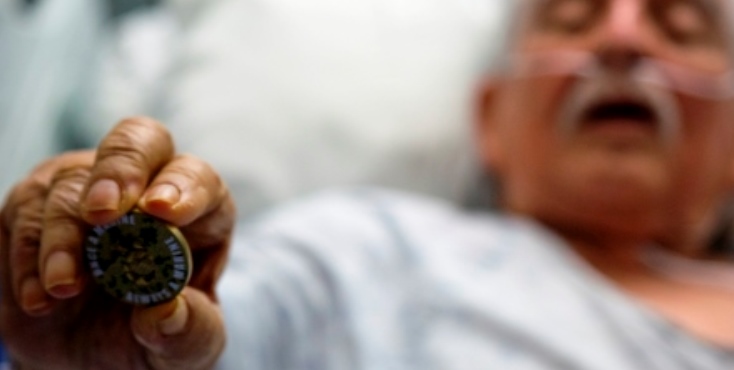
(283,97)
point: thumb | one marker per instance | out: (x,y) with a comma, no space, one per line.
(186,333)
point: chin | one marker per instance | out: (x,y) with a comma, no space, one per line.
(614,199)
(610,222)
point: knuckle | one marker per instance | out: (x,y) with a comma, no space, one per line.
(24,192)
(25,198)
(125,163)
(63,201)
(46,170)
(70,176)
(140,122)
(27,233)
(61,208)
(133,148)
(32,192)
(140,128)
(123,146)
(198,171)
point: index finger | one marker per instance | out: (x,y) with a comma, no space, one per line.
(127,158)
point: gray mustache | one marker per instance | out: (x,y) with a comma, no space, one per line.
(605,87)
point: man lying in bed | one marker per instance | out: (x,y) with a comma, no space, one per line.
(610,135)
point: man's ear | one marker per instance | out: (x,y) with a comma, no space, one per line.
(487,122)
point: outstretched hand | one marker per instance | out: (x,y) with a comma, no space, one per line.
(52,316)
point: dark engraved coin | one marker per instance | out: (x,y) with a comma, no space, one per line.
(139,259)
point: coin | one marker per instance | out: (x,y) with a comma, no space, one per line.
(139,259)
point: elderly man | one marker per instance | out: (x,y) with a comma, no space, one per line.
(610,138)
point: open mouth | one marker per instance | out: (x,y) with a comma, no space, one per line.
(627,112)
(623,113)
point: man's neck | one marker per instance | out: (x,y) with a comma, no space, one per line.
(692,291)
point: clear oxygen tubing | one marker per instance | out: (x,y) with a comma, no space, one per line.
(659,73)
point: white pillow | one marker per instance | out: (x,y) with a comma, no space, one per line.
(285,97)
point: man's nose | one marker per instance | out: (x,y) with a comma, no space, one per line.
(621,45)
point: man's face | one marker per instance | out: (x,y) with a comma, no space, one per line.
(614,119)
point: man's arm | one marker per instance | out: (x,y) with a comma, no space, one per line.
(52,316)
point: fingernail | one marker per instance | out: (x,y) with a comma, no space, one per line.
(163,193)
(60,275)
(104,195)
(32,297)
(176,322)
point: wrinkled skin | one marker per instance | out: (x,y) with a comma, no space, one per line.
(613,185)
(52,316)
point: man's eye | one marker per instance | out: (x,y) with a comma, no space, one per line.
(568,16)
(688,24)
